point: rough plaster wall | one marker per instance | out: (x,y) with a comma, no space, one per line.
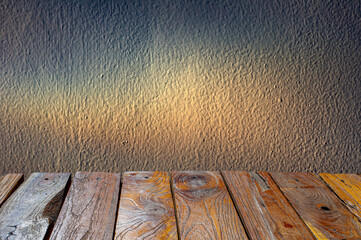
(191,84)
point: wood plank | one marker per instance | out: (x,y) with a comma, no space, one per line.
(33,207)
(146,209)
(8,184)
(89,210)
(348,188)
(265,211)
(318,206)
(204,207)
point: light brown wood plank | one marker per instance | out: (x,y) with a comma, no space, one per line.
(204,207)
(265,211)
(8,184)
(33,207)
(318,206)
(89,210)
(348,188)
(146,209)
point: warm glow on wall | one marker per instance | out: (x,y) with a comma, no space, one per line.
(141,85)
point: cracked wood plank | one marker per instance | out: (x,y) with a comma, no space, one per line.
(318,206)
(33,207)
(348,188)
(146,209)
(8,185)
(204,207)
(90,207)
(265,211)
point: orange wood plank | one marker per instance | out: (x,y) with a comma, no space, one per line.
(8,184)
(33,207)
(265,211)
(318,206)
(146,209)
(204,207)
(89,210)
(348,188)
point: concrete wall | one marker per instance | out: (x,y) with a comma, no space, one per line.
(180,84)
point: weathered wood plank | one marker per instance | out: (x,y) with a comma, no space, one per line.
(265,211)
(146,209)
(8,184)
(204,207)
(348,188)
(89,210)
(33,207)
(318,206)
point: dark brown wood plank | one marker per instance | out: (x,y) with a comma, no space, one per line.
(318,206)
(146,209)
(204,207)
(265,211)
(348,188)
(8,184)
(33,207)
(89,210)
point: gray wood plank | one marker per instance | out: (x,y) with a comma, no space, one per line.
(31,209)
(89,210)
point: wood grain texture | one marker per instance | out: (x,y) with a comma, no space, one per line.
(265,211)
(33,207)
(318,206)
(348,188)
(89,210)
(204,207)
(146,209)
(8,184)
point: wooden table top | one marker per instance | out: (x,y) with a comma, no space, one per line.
(180,205)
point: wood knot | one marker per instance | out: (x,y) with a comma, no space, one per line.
(287,225)
(196,185)
(52,209)
(137,178)
(155,208)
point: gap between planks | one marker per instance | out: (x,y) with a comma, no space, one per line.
(174,206)
(8,184)
(234,204)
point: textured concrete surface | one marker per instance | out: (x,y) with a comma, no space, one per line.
(191,84)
